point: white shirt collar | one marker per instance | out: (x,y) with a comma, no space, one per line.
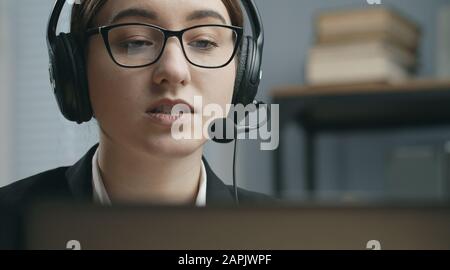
(101,196)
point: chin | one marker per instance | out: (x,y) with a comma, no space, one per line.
(170,148)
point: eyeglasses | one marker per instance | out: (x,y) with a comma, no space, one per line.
(135,45)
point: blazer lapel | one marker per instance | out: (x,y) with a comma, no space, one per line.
(216,190)
(79,177)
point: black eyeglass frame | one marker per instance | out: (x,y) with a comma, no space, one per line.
(104,32)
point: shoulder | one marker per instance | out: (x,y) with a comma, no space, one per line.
(34,187)
(221,193)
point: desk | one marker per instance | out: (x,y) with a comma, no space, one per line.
(316,109)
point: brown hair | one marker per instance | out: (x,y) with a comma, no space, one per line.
(84,14)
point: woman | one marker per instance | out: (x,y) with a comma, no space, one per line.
(136,72)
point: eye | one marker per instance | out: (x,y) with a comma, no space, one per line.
(204,44)
(136,44)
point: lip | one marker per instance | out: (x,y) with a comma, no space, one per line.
(166,119)
(169,102)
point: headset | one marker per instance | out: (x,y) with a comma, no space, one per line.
(68,68)
(68,78)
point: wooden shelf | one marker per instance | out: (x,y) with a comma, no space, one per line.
(424,102)
(341,89)
(420,103)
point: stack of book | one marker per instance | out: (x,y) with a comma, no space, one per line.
(443,43)
(365,45)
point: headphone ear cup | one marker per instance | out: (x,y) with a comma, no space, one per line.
(70,80)
(243,57)
(244,90)
(240,71)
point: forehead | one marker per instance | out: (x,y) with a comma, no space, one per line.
(167,13)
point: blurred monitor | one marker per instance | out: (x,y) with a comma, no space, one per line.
(10,228)
(67,226)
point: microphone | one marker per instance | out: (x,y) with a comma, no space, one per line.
(226,126)
(222,126)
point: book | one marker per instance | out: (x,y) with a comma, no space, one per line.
(363,49)
(344,26)
(443,43)
(358,70)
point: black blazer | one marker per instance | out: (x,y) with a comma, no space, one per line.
(74,183)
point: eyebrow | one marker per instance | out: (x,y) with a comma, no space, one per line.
(201,14)
(147,14)
(134,12)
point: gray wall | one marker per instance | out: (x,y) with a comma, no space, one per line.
(5,94)
(41,139)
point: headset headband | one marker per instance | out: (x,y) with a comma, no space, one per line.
(249,6)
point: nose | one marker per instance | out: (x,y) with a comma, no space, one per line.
(172,68)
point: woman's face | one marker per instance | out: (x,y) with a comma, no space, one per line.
(121,97)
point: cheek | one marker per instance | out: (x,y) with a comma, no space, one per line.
(220,85)
(217,92)
(110,88)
